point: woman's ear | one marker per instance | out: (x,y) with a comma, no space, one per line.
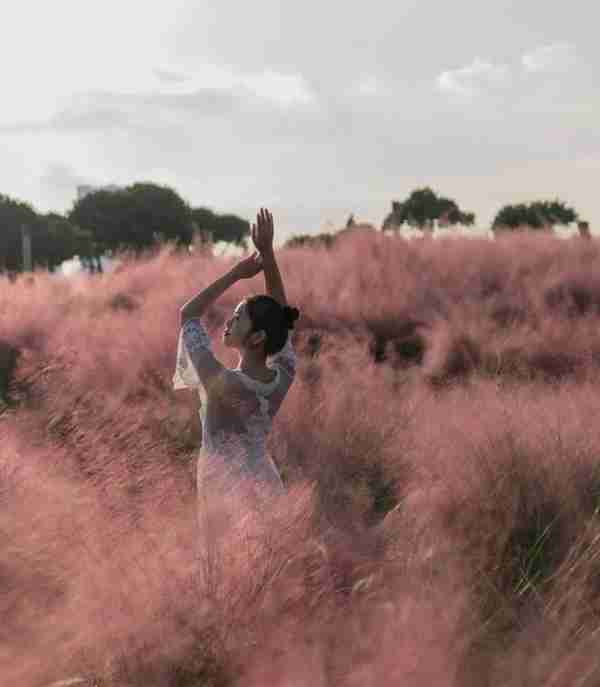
(258,337)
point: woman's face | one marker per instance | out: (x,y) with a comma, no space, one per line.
(237,327)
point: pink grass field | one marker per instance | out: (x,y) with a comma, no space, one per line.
(440,448)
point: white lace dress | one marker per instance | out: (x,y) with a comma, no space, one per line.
(236,411)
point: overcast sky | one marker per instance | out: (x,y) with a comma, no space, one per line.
(314,109)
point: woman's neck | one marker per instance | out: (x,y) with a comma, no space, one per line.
(253,364)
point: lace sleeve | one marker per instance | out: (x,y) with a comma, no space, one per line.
(196,363)
(285,359)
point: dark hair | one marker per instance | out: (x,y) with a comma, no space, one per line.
(268,314)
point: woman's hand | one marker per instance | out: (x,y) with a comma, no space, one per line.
(248,267)
(262,231)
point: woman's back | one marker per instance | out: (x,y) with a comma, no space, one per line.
(236,410)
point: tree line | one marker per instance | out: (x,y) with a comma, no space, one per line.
(423,207)
(144,215)
(105,222)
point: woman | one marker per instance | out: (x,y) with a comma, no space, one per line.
(238,405)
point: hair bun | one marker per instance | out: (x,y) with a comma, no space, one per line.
(290,315)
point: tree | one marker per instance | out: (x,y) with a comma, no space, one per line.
(310,240)
(584,229)
(135,218)
(55,239)
(229,228)
(422,208)
(538,215)
(13,215)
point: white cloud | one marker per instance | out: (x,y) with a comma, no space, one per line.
(206,89)
(368,85)
(555,57)
(224,102)
(282,89)
(473,79)
(168,76)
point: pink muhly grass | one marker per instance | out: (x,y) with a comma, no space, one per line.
(439,447)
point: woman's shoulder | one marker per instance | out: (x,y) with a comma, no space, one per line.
(232,380)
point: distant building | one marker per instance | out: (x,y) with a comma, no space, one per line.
(85,189)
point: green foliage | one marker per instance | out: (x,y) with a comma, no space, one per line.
(55,240)
(9,356)
(535,564)
(383,490)
(134,218)
(326,239)
(229,228)
(536,215)
(13,215)
(304,240)
(422,207)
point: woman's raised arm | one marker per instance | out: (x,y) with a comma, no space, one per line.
(262,235)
